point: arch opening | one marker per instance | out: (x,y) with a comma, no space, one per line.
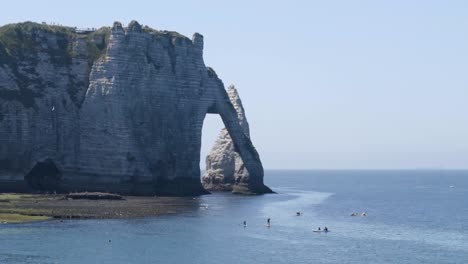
(212,168)
(212,125)
(44,176)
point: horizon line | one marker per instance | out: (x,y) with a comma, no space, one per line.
(371,169)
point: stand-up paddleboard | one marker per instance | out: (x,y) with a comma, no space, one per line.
(320,231)
(267,225)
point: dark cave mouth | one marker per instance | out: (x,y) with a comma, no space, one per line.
(44,176)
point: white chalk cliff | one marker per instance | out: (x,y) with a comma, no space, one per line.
(117,109)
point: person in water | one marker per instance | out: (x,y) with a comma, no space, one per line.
(245,223)
(325,229)
(298,213)
(268,221)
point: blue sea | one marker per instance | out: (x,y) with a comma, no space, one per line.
(412,217)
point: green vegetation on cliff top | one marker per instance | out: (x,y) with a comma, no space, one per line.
(17,39)
(22,40)
(96,49)
(21,44)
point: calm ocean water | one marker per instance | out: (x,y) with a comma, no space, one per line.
(412,217)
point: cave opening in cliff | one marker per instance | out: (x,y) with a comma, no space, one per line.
(44,176)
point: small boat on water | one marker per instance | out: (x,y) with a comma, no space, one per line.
(325,230)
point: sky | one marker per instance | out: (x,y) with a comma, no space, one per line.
(325,84)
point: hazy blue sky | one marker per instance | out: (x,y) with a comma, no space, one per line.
(326,84)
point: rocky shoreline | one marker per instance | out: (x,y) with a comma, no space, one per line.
(18,208)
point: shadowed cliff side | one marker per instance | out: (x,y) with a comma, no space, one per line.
(117,109)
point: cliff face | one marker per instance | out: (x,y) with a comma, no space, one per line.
(225,170)
(118,109)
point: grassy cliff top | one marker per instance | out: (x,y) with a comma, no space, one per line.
(20,34)
(12,35)
(18,38)
(31,26)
